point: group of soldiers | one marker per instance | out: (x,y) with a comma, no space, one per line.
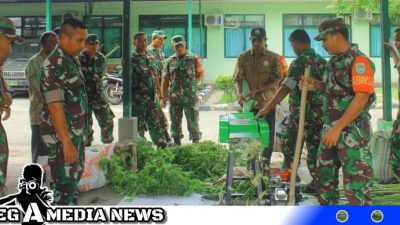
(337,120)
(65,84)
(66,87)
(153,76)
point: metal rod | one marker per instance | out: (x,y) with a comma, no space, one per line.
(386,79)
(201,31)
(189,35)
(49,24)
(126,68)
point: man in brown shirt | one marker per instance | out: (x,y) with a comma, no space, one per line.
(260,68)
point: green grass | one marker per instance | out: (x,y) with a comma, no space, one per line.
(227,98)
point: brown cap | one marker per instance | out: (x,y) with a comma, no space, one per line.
(328,26)
(7,27)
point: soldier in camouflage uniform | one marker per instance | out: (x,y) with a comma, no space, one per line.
(65,112)
(94,68)
(395,142)
(144,85)
(306,56)
(183,72)
(7,37)
(349,91)
(395,137)
(158,38)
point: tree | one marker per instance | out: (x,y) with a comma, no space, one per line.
(349,7)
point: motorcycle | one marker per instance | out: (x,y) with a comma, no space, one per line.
(113,88)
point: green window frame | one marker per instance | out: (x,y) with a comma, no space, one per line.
(375,43)
(109,32)
(176,25)
(237,32)
(310,23)
(31,27)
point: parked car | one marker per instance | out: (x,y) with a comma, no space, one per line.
(14,67)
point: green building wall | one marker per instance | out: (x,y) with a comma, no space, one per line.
(215,63)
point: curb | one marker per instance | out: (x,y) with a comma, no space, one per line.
(203,95)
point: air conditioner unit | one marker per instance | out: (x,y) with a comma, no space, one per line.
(362,14)
(69,15)
(214,20)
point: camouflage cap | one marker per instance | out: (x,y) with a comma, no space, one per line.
(159,34)
(258,32)
(7,27)
(92,39)
(178,39)
(328,26)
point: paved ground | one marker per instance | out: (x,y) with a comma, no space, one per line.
(19,135)
(19,138)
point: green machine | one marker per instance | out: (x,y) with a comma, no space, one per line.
(237,129)
(243,125)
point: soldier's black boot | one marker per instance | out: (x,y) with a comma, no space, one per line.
(161,144)
(177,141)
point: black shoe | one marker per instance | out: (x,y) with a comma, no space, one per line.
(177,141)
(161,145)
(309,189)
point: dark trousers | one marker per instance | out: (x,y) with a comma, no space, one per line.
(37,146)
(267,153)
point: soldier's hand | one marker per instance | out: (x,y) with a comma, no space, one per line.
(331,137)
(241,99)
(262,112)
(163,102)
(311,83)
(252,94)
(7,99)
(7,111)
(388,45)
(70,152)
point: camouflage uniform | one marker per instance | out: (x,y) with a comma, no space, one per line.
(159,66)
(395,138)
(346,73)
(313,119)
(93,70)
(182,72)
(63,81)
(144,104)
(4,152)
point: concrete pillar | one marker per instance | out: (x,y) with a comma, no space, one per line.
(127,129)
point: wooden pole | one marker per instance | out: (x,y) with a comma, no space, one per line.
(299,141)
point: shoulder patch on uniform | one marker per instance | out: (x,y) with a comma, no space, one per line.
(360,68)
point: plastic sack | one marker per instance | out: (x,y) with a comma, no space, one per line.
(93,176)
(381,153)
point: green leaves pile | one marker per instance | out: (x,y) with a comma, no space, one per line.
(180,170)
(386,194)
